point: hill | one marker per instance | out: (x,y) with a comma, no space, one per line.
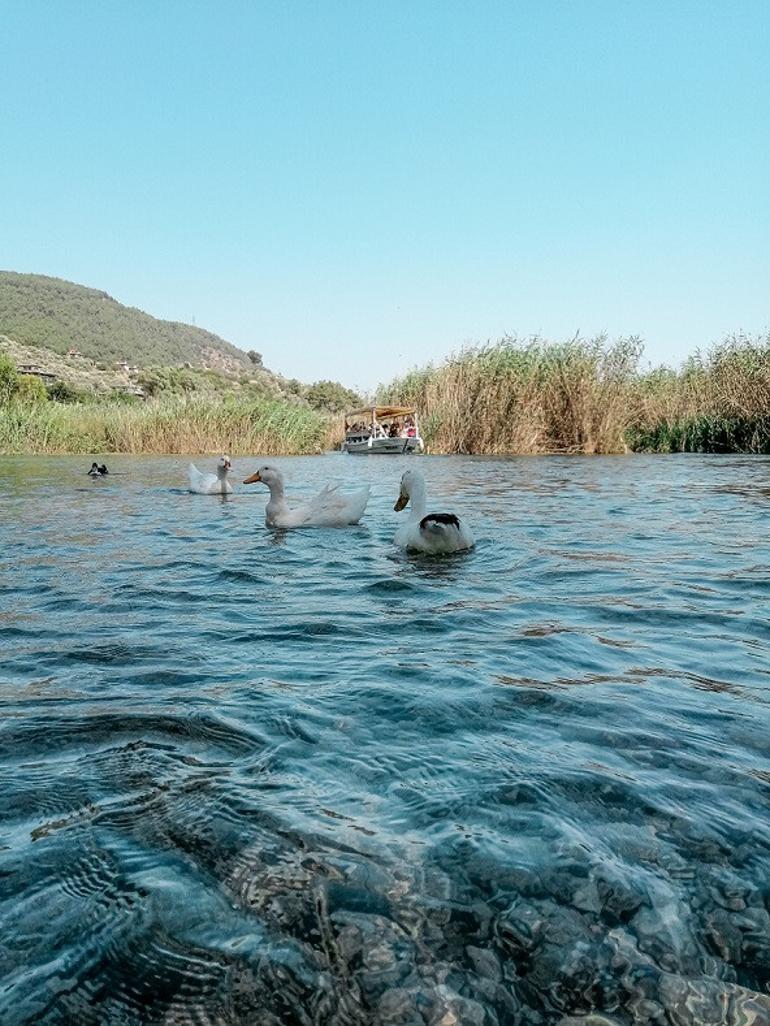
(36,310)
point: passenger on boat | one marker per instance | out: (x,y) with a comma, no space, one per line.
(393,432)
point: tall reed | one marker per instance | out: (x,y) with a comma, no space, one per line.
(718,402)
(589,396)
(525,397)
(171,425)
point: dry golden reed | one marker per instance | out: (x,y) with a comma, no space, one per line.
(589,396)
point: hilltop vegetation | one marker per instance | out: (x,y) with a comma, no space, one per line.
(59,315)
(590,396)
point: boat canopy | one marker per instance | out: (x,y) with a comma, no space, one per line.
(381,412)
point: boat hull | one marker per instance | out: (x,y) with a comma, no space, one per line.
(382,446)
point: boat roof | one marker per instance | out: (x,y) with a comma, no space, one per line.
(382,411)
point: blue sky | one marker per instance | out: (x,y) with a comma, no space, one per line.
(356,187)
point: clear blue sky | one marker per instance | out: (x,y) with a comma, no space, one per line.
(353,187)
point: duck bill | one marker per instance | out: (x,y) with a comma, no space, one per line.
(253,479)
(401,502)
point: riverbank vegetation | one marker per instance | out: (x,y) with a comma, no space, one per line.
(591,396)
(582,396)
(173,425)
(36,419)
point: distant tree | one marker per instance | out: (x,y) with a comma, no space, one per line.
(9,378)
(255,357)
(63,392)
(331,396)
(31,390)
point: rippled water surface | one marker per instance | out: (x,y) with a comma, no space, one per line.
(257,778)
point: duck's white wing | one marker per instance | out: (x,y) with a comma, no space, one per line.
(356,504)
(332,508)
(200,483)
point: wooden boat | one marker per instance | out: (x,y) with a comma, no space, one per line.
(386,430)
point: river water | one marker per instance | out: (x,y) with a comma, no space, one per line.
(250,777)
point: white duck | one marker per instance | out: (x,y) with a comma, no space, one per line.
(327,509)
(211,484)
(434,532)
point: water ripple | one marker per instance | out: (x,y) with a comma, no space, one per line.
(303,778)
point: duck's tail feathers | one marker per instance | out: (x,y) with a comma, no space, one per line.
(439,523)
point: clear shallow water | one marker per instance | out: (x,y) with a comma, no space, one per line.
(302,778)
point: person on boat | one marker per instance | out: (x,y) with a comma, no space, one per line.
(393,433)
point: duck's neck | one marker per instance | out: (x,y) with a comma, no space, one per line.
(417,501)
(276,504)
(276,490)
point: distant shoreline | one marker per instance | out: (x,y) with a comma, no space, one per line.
(506,399)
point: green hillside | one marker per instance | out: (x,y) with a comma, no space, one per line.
(36,310)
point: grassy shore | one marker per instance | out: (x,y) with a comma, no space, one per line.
(591,397)
(167,425)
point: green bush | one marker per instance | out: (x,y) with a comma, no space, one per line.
(9,377)
(331,396)
(30,389)
(62,392)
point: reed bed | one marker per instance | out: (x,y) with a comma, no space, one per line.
(169,425)
(589,396)
(532,397)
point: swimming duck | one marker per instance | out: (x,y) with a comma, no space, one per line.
(211,484)
(327,509)
(432,532)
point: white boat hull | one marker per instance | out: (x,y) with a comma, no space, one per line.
(382,446)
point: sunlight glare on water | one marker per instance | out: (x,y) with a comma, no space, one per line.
(253,777)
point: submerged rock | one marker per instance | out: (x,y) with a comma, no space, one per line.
(706,1002)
